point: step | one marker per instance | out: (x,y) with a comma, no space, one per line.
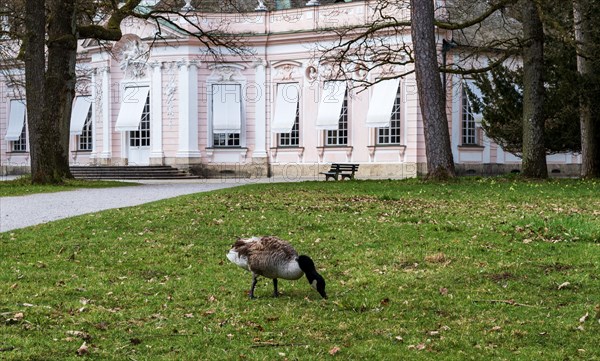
(129,172)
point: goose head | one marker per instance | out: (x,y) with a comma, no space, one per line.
(314,278)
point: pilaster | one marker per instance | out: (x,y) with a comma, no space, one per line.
(106,153)
(187,151)
(260,115)
(156,138)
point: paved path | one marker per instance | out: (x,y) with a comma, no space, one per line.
(24,211)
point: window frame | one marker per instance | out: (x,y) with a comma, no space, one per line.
(291,139)
(85,141)
(226,139)
(387,135)
(20,145)
(142,136)
(468,132)
(339,137)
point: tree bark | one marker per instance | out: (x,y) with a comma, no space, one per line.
(440,163)
(60,88)
(590,128)
(41,134)
(50,90)
(534,151)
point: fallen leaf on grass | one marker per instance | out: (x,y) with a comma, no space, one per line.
(443,291)
(17,317)
(496,329)
(419,347)
(437,258)
(83,349)
(101,326)
(82,335)
(255,325)
(584,318)
(564,285)
(334,350)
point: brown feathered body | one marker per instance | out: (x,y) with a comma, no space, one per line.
(268,256)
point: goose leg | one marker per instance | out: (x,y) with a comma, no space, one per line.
(275,293)
(254,280)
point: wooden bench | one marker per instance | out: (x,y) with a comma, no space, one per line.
(346,171)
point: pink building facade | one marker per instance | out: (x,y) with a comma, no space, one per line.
(276,112)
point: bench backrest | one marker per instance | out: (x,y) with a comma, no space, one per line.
(344,167)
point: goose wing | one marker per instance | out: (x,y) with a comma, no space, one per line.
(239,253)
(273,257)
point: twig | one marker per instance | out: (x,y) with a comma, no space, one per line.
(276,344)
(9,313)
(507,302)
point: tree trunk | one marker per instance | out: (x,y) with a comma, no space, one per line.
(534,151)
(440,163)
(590,129)
(60,89)
(40,132)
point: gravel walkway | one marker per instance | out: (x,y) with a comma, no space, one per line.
(24,211)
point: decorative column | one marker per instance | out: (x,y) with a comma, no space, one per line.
(187,151)
(156,141)
(260,112)
(456,89)
(94,96)
(106,153)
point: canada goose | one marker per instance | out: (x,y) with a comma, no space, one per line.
(274,258)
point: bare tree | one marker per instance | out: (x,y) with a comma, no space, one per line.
(49,50)
(378,45)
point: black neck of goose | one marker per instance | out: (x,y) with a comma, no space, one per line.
(308,267)
(314,278)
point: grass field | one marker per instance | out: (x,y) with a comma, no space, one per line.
(22,186)
(478,269)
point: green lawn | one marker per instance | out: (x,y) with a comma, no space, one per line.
(478,269)
(22,186)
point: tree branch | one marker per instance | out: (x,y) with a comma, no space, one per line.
(491,10)
(112,31)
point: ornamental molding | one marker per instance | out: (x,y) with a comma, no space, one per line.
(226,72)
(132,54)
(171,91)
(287,69)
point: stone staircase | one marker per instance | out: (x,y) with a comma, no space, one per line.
(129,172)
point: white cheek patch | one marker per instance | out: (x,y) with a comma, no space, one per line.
(314,284)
